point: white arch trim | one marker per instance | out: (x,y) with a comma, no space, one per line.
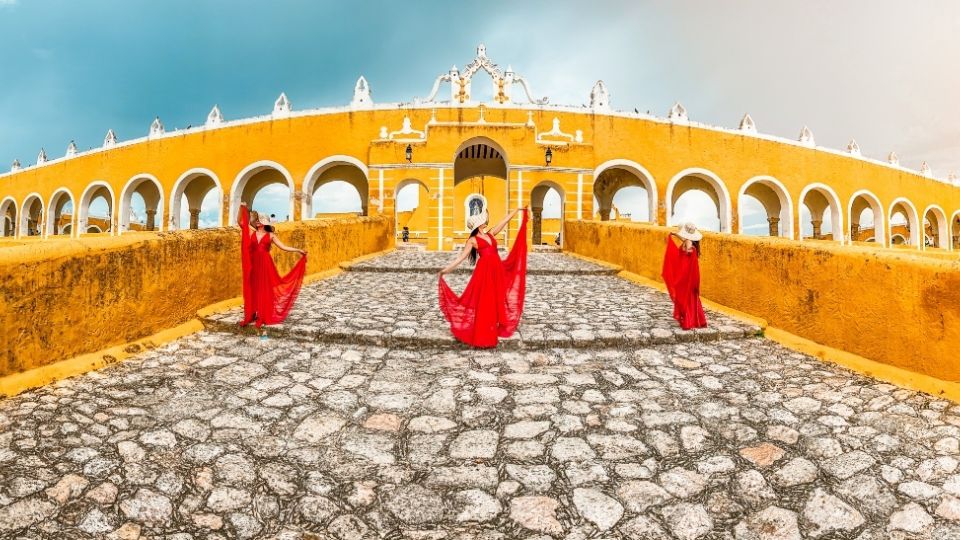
(236,190)
(176,195)
(83,208)
(23,217)
(879,219)
(786,203)
(912,220)
(723,193)
(4,205)
(326,163)
(126,198)
(653,197)
(836,211)
(953,218)
(51,209)
(943,229)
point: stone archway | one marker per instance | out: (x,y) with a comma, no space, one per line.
(936,227)
(617,176)
(252,179)
(8,217)
(31,216)
(861,202)
(704,181)
(345,172)
(907,226)
(195,187)
(148,188)
(538,196)
(817,200)
(774,199)
(479,172)
(61,212)
(96,190)
(412,211)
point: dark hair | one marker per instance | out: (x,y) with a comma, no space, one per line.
(269,229)
(473,252)
(696,245)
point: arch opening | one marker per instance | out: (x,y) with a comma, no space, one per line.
(820,215)
(60,213)
(336,186)
(955,231)
(31,216)
(699,196)
(196,201)
(765,208)
(479,185)
(547,213)
(411,211)
(623,190)
(936,229)
(866,218)
(904,222)
(267,188)
(96,209)
(8,211)
(141,204)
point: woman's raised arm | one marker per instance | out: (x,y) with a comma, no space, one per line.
(464,253)
(503,223)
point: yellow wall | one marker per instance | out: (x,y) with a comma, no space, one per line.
(898,308)
(66,297)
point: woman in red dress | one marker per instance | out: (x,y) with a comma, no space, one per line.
(267,296)
(681,273)
(492,302)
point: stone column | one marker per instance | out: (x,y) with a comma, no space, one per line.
(537,225)
(774,226)
(816,228)
(854,232)
(605,213)
(151,219)
(194,218)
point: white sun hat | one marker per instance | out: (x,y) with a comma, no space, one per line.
(476,220)
(688,231)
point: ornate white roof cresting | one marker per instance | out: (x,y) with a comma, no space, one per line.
(460,82)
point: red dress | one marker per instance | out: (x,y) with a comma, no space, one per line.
(266,294)
(681,273)
(492,302)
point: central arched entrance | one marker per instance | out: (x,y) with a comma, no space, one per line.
(412,212)
(479,185)
(546,207)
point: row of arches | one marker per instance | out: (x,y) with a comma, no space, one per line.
(766,208)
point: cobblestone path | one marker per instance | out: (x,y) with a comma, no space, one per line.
(223,435)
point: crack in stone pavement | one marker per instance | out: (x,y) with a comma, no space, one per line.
(223,435)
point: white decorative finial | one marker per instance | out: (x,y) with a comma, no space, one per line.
(42,156)
(16,166)
(361,93)
(383,132)
(893,159)
(806,137)
(282,105)
(853,148)
(71,149)
(747,124)
(215,118)
(110,139)
(600,97)
(677,113)
(925,170)
(156,127)
(482,50)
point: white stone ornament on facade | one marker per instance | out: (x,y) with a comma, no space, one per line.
(72,149)
(110,139)
(361,94)
(555,134)
(600,97)
(925,170)
(747,124)
(806,137)
(460,82)
(893,159)
(42,157)
(282,107)
(678,114)
(156,127)
(407,132)
(215,118)
(853,148)
(383,132)
(15,166)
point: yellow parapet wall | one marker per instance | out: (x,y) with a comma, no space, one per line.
(899,309)
(65,298)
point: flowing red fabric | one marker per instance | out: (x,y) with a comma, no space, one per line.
(266,294)
(681,273)
(492,302)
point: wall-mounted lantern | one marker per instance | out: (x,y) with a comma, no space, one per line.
(409,153)
(548,156)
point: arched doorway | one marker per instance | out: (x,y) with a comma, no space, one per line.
(412,211)
(31,216)
(699,195)
(96,208)
(866,218)
(546,206)
(623,189)
(335,186)
(141,204)
(936,228)
(60,212)
(904,222)
(955,230)
(820,214)
(196,201)
(765,208)
(8,215)
(479,185)
(267,188)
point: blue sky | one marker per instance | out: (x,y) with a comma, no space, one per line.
(882,71)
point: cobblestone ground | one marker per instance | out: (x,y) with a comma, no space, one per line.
(223,435)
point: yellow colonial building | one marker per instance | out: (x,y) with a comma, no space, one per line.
(466,148)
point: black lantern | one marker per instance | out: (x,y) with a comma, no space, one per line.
(409,153)
(548,156)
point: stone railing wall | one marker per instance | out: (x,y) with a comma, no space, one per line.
(897,308)
(64,298)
